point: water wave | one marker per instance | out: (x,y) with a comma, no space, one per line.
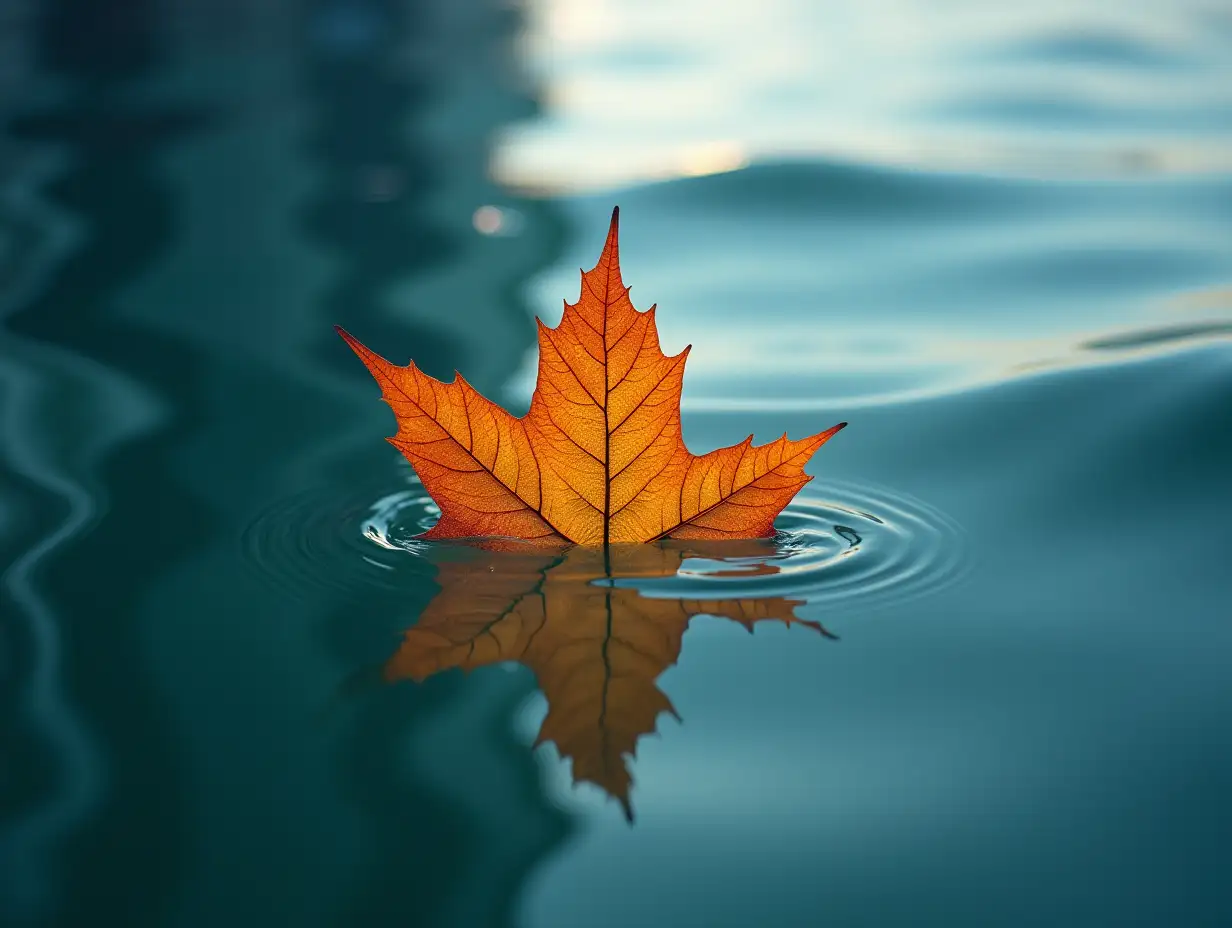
(328,539)
(839,544)
(843,544)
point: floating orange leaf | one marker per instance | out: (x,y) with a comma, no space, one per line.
(599,458)
(595,648)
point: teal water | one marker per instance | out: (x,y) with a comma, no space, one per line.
(1009,268)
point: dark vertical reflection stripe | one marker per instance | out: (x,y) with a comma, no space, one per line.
(186,288)
(90,586)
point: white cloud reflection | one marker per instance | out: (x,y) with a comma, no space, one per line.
(636,90)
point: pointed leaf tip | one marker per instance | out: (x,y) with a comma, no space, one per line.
(349,339)
(611,247)
(366,354)
(626,807)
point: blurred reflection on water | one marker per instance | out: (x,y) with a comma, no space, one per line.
(196,192)
(998,241)
(649,90)
(595,647)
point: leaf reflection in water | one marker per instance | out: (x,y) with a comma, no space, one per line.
(595,644)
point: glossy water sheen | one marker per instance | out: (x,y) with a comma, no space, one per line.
(998,242)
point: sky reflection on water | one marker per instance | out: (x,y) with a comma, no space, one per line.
(638,91)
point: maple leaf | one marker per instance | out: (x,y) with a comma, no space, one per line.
(595,648)
(599,458)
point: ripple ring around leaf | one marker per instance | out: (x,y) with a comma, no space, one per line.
(851,544)
(839,545)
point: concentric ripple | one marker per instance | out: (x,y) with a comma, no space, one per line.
(343,539)
(857,545)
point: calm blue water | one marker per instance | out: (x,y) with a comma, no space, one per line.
(998,243)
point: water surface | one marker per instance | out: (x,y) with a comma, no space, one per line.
(1000,246)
